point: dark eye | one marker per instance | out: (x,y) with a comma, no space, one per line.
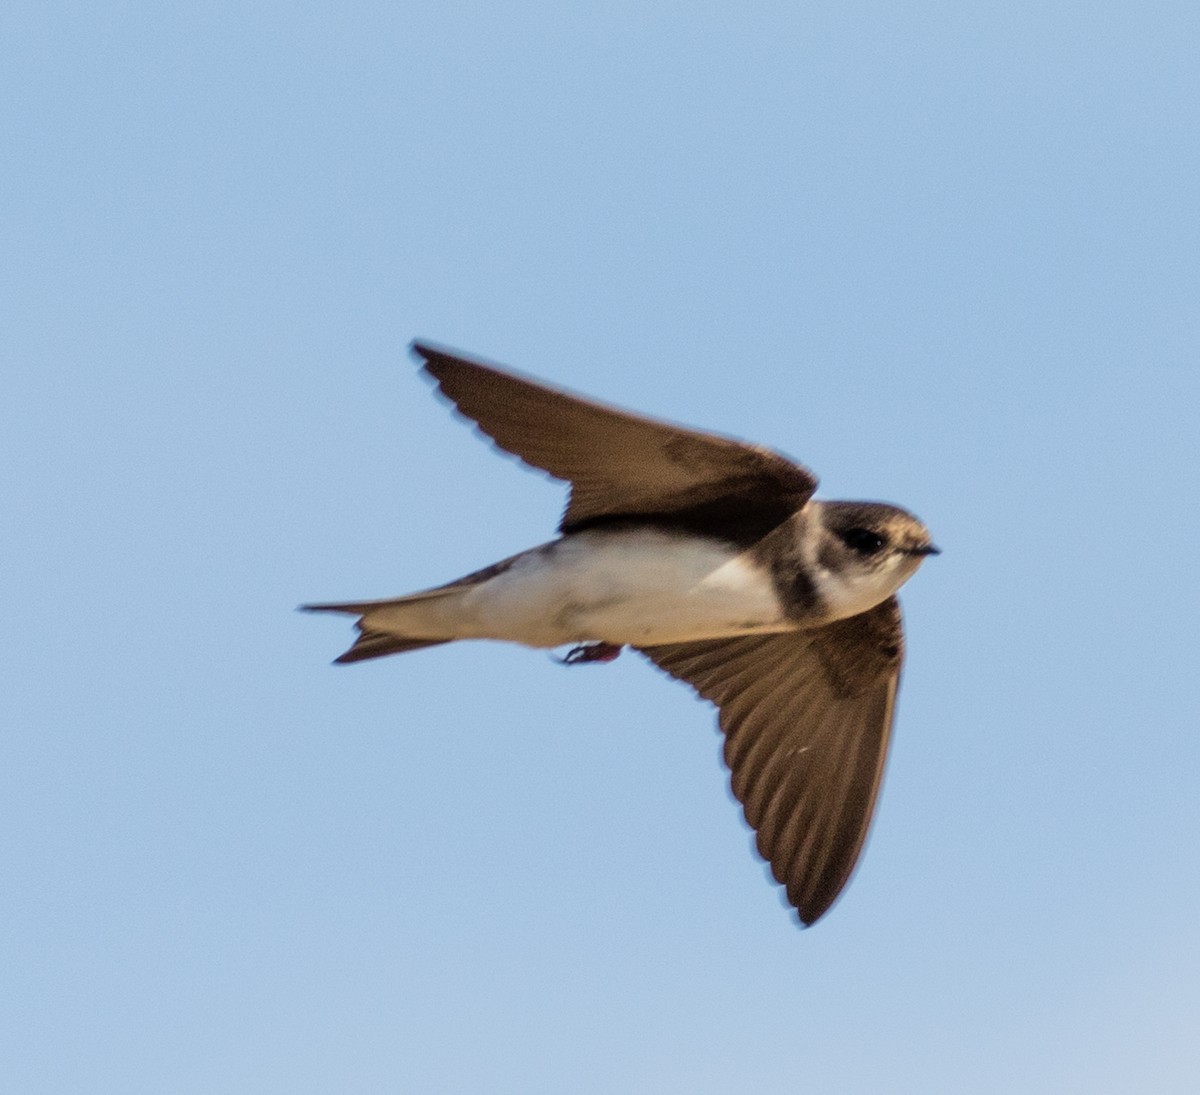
(863,540)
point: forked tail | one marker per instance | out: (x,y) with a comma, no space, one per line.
(380,626)
(428,618)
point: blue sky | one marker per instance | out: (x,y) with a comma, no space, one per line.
(944,253)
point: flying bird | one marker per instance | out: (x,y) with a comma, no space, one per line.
(711,557)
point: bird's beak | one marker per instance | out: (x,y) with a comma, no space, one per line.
(924,549)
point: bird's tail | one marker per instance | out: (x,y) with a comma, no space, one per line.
(428,618)
(392,627)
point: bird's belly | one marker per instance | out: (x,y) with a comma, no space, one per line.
(637,587)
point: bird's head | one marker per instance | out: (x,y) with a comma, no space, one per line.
(866,551)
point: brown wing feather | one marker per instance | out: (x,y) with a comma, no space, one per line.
(620,464)
(807,716)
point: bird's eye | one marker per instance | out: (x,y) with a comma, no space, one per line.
(863,540)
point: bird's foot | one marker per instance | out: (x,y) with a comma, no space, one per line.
(588,653)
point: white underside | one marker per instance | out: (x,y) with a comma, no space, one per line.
(637,587)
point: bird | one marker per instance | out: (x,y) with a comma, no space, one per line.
(711,557)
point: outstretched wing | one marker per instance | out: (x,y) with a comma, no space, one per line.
(621,464)
(806,716)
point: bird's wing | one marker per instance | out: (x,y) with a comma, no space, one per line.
(618,463)
(806,717)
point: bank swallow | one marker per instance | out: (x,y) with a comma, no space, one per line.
(710,557)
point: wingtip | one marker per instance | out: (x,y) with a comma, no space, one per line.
(810,911)
(804,918)
(421,349)
(434,359)
(426,352)
(807,920)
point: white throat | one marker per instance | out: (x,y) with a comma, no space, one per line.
(849,592)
